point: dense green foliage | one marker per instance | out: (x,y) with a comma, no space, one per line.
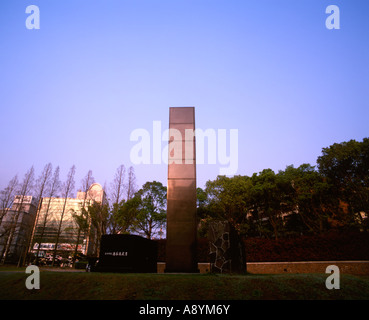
(296,201)
(144,213)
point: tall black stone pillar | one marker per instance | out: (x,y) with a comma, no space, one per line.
(181,193)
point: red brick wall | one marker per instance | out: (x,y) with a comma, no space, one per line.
(346,267)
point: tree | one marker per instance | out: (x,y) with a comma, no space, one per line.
(24,190)
(51,192)
(126,213)
(86,183)
(313,201)
(228,199)
(67,190)
(271,196)
(117,189)
(117,193)
(269,204)
(201,203)
(7,197)
(131,186)
(96,215)
(122,210)
(150,206)
(41,186)
(346,166)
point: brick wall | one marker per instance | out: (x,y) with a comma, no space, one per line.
(346,267)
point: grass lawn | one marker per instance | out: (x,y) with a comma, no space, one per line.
(110,286)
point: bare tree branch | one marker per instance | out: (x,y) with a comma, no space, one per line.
(67,190)
(24,190)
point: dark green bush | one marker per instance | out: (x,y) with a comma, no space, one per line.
(331,246)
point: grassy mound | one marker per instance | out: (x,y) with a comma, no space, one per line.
(107,286)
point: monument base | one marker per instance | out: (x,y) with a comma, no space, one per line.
(181,259)
(181,270)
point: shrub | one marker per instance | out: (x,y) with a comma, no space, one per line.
(335,245)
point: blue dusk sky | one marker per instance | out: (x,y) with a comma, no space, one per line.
(73,91)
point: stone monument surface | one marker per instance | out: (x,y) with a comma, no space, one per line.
(181,192)
(227,250)
(126,253)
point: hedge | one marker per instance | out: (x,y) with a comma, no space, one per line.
(332,246)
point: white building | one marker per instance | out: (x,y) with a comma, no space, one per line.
(60,213)
(24,226)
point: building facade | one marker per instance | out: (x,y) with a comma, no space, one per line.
(51,222)
(62,222)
